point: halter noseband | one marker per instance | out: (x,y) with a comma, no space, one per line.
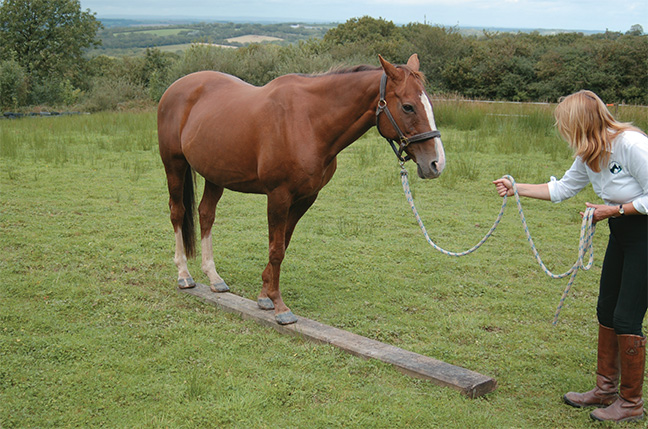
(404,141)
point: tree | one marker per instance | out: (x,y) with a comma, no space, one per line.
(47,38)
(436,47)
(369,36)
(13,86)
(635,30)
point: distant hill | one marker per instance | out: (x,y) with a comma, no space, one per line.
(128,36)
(131,36)
(478,31)
(163,21)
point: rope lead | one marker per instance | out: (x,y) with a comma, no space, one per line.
(584,247)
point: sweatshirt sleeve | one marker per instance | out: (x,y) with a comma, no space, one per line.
(638,168)
(574,180)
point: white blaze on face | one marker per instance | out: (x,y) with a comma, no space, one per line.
(438,144)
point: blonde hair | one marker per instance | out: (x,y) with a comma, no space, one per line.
(587,125)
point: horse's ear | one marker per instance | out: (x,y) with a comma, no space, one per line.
(413,62)
(390,69)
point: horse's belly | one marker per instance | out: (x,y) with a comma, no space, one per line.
(222,154)
(230,174)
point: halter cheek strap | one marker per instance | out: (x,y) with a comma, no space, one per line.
(403,141)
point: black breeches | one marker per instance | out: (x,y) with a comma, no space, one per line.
(623,294)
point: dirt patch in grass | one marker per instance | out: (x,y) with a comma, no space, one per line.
(253,38)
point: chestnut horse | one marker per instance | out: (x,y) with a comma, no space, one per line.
(281,140)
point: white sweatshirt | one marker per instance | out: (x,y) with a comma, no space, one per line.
(623,180)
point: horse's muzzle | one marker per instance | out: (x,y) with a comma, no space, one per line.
(429,172)
(433,166)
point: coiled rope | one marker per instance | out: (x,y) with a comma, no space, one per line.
(585,246)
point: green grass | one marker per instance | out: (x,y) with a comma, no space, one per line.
(93,332)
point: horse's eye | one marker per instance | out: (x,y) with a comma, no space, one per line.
(408,108)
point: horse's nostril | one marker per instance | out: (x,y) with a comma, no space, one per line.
(433,164)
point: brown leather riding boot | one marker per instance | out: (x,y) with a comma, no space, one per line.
(607,374)
(629,406)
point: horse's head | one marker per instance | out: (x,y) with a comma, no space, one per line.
(408,119)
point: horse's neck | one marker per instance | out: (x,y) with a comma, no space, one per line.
(351,104)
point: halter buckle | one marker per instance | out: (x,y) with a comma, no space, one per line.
(404,142)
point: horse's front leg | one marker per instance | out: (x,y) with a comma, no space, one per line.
(295,213)
(278,210)
(263,301)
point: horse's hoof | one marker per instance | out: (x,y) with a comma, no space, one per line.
(219,287)
(286,318)
(186,283)
(265,304)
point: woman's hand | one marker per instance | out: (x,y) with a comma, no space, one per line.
(504,187)
(601,211)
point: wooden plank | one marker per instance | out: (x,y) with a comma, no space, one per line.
(470,383)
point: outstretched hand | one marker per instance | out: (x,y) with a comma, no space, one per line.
(504,187)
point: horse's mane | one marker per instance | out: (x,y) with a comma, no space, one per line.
(352,69)
(361,68)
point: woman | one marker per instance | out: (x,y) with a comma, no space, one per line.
(613,156)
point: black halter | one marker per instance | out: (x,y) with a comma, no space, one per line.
(403,140)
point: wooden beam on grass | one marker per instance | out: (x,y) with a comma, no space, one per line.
(469,383)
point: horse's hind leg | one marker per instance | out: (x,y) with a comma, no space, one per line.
(207,211)
(179,180)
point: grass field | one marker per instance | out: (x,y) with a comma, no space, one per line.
(253,38)
(94,333)
(157,31)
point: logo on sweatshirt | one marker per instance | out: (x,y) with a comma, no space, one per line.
(615,167)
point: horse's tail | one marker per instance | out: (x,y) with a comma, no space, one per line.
(188,223)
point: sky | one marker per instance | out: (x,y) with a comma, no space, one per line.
(589,15)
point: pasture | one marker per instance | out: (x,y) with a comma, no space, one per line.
(253,38)
(156,31)
(94,333)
